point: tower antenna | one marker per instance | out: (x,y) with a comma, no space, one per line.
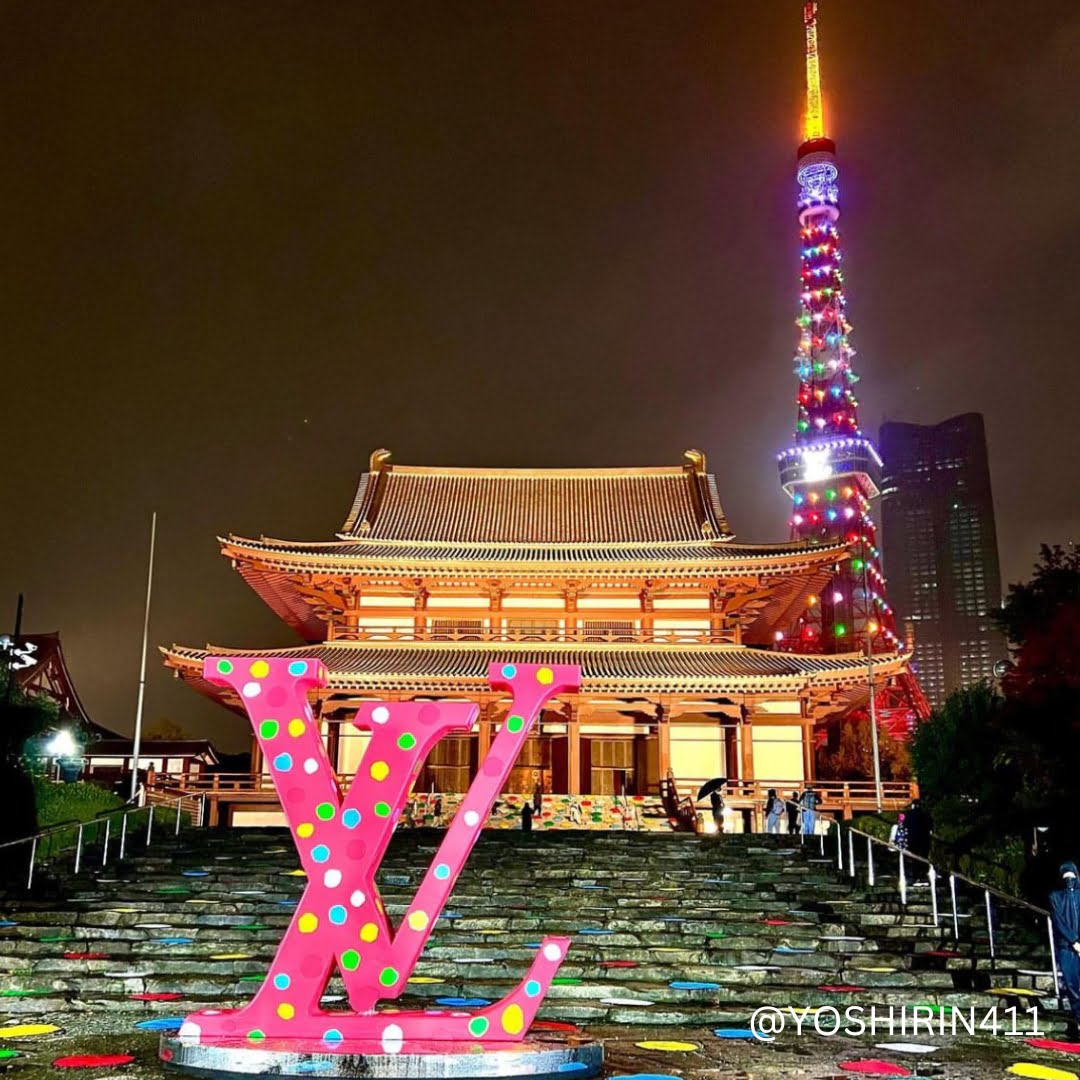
(814,126)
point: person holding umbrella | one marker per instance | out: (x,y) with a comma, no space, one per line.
(713,789)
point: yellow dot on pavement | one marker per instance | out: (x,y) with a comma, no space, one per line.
(664,1044)
(1040,1072)
(24,1031)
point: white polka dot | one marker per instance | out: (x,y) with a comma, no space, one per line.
(311,766)
(252,689)
(357,898)
(380,714)
(190,1033)
(332,879)
(472,818)
(392,1039)
(552,952)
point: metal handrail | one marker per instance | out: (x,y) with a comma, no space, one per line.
(988,891)
(79,827)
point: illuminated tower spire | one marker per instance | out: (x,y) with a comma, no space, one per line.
(831,471)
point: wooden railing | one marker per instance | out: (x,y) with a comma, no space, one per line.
(541,633)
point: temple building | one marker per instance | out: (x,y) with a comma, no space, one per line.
(631,573)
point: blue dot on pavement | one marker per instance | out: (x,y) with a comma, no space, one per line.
(161,1023)
(686,984)
(733,1033)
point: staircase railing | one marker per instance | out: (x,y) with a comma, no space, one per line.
(849,840)
(114,828)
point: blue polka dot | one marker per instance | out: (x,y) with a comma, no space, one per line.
(532,988)
(338,915)
(350,819)
(283,762)
(733,1033)
(320,853)
(333,1037)
(281,982)
(298,667)
(442,871)
(509,671)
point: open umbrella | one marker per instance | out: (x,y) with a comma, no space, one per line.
(710,786)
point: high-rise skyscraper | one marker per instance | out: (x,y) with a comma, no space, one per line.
(832,470)
(941,548)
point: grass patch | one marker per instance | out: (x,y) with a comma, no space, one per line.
(58,804)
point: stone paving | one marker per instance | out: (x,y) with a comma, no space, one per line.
(675,939)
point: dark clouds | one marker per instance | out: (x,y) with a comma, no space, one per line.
(247,243)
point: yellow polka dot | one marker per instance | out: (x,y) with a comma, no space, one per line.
(260,669)
(545,676)
(379,770)
(369,932)
(308,923)
(418,920)
(512,1019)
(286,1011)
(296,727)
(1039,1072)
(304,830)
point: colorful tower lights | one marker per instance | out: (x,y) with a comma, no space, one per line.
(831,471)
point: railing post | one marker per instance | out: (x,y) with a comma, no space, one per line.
(149,824)
(990,925)
(179,802)
(78,849)
(821,838)
(123,834)
(839,848)
(870,862)
(933,894)
(1053,957)
(105,846)
(850,853)
(955,915)
(33,859)
(903,880)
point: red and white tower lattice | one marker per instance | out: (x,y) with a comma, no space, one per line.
(832,469)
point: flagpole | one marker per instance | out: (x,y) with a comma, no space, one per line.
(136,744)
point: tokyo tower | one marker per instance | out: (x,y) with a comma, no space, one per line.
(831,471)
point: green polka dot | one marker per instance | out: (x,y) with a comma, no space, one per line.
(350,960)
(256,1035)
(406,741)
(324,811)
(268,729)
(515,723)
(382,809)
(224,667)
(478,1025)
(388,976)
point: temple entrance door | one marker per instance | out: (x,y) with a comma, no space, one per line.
(560,755)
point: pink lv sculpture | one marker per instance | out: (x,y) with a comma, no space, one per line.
(341,839)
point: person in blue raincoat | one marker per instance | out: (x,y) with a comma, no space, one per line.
(809,802)
(1065,916)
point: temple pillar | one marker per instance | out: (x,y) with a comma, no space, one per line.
(647,618)
(746,745)
(809,757)
(484,730)
(420,599)
(573,756)
(663,740)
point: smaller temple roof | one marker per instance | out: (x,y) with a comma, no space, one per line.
(536,506)
(462,667)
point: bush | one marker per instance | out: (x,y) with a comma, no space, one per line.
(60,803)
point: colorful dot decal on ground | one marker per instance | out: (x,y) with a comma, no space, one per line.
(1014,991)
(629,1003)
(425,980)
(908,1048)
(734,1033)
(1039,1072)
(27,1031)
(874,1067)
(669,1045)
(462,1002)
(645,1076)
(687,984)
(163,996)
(161,1023)
(1055,1044)
(93,1061)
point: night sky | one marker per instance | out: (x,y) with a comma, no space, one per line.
(247,242)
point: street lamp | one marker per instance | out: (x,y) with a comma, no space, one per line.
(62,745)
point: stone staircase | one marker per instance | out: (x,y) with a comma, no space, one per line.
(667,930)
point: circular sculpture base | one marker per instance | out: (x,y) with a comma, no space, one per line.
(542,1057)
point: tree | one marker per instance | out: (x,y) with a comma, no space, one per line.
(165,728)
(850,756)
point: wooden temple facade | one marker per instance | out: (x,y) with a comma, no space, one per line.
(631,573)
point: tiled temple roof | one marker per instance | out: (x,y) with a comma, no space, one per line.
(667,505)
(615,669)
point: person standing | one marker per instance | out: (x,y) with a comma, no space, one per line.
(919,828)
(1065,916)
(538,800)
(809,802)
(793,814)
(774,810)
(716,800)
(526,817)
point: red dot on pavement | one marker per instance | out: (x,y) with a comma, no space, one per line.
(1054,1044)
(155,997)
(93,1061)
(874,1067)
(553,1025)
(842,988)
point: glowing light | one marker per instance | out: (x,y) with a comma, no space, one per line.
(837,597)
(816,464)
(62,745)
